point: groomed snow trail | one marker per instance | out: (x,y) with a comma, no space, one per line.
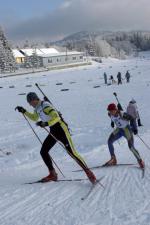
(124,200)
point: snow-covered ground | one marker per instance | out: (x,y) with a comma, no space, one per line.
(125,198)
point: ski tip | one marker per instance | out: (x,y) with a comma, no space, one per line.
(34,182)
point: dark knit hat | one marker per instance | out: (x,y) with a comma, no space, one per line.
(32,96)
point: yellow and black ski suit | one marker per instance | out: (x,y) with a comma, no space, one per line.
(58,129)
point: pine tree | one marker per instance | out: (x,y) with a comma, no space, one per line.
(35,60)
(7,60)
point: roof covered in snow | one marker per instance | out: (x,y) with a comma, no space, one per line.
(39,51)
(17,53)
(48,50)
(61,54)
(43,52)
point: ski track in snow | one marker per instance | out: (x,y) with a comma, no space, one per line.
(124,200)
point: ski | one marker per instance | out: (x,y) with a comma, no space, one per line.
(102,166)
(61,180)
(92,187)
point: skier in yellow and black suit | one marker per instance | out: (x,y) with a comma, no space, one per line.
(58,129)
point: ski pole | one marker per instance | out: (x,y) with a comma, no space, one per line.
(143,142)
(54,138)
(42,143)
(32,129)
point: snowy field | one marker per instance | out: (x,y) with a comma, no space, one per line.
(125,200)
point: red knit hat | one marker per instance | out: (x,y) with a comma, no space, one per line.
(111,107)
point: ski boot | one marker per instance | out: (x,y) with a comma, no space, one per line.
(111,162)
(90,175)
(51,177)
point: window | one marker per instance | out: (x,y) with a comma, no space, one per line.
(81,57)
(74,58)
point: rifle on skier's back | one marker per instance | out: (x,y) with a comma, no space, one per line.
(47,99)
(119,105)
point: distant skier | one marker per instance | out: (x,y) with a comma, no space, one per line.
(121,121)
(119,78)
(132,110)
(105,78)
(127,76)
(112,79)
(50,118)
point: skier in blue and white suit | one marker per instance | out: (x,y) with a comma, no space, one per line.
(123,129)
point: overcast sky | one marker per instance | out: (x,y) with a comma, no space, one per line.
(53,19)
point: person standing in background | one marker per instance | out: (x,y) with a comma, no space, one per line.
(105,78)
(119,78)
(132,110)
(127,76)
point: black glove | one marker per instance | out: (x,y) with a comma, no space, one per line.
(42,124)
(139,123)
(20,109)
(112,124)
(119,107)
(135,132)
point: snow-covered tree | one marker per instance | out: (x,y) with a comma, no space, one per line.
(33,61)
(7,60)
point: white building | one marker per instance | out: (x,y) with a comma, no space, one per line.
(62,58)
(49,57)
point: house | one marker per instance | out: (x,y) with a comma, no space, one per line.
(49,57)
(19,57)
(62,58)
